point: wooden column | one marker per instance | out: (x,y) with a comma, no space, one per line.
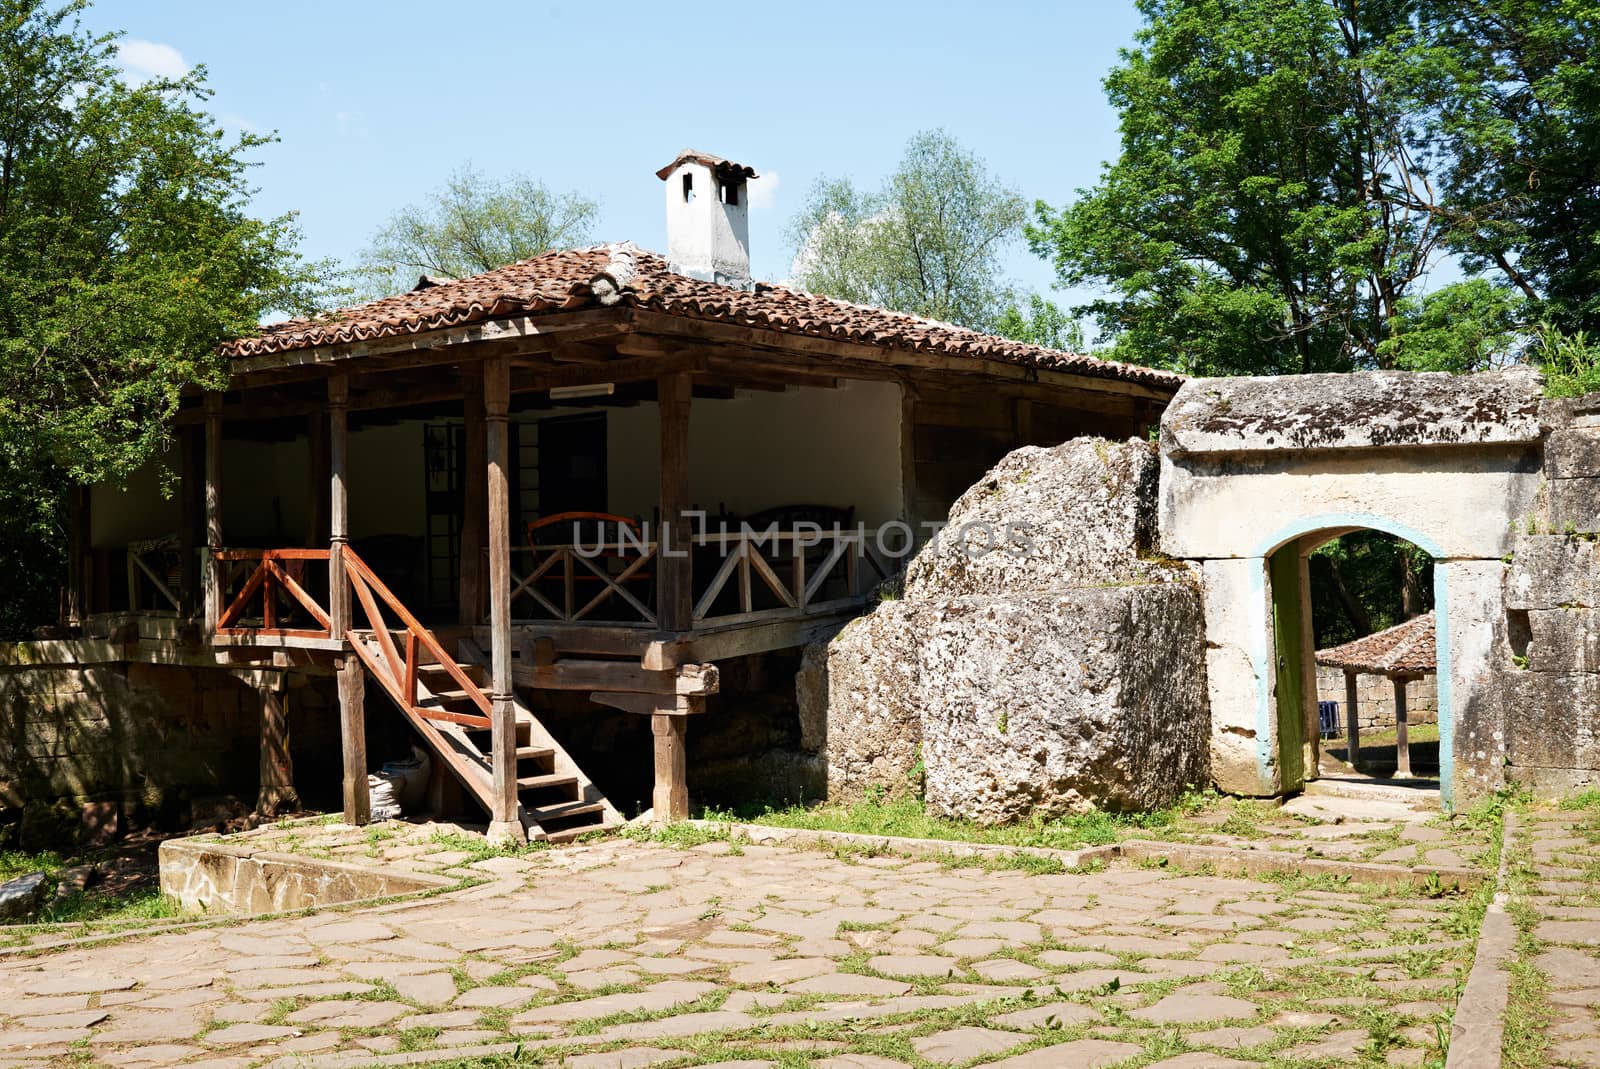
(338,505)
(505,821)
(674,576)
(1402,744)
(79,542)
(276,793)
(191,522)
(671,796)
(1352,720)
(475,504)
(353,731)
(212,585)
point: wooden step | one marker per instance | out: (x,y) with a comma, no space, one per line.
(528,783)
(566,835)
(566,810)
(534,753)
(454,697)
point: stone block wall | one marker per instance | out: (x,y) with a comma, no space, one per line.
(1549,723)
(1375,698)
(88,750)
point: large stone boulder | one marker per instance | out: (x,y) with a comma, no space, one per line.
(1063,702)
(1060,670)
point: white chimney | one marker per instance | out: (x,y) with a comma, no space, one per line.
(708,218)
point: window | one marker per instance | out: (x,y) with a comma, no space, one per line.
(688,187)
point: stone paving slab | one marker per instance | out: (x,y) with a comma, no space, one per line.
(737,953)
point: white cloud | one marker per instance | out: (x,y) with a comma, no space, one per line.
(764,190)
(351,124)
(143,61)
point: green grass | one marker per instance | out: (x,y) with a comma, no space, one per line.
(907,817)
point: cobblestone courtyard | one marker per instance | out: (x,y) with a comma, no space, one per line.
(627,954)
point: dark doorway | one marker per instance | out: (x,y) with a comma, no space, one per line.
(572,464)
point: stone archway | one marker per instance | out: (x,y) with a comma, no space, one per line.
(1448,463)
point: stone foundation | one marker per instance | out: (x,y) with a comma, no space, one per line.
(96,746)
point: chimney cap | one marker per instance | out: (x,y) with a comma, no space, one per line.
(724,169)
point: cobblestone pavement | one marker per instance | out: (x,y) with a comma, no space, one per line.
(1557,908)
(621,954)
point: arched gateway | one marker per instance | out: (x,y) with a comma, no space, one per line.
(1257,472)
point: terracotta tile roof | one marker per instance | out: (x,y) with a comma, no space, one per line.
(632,277)
(1407,647)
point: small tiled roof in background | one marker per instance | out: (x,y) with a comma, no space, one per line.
(1404,648)
(627,275)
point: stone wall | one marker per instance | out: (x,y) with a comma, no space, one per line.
(1375,698)
(207,876)
(90,749)
(1066,675)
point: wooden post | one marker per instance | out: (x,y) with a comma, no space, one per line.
(671,795)
(505,822)
(338,505)
(475,504)
(276,793)
(1352,720)
(78,597)
(212,592)
(1402,744)
(908,458)
(353,730)
(191,523)
(1311,733)
(675,580)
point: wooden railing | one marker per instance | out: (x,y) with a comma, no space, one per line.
(799,573)
(154,566)
(740,576)
(396,672)
(559,580)
(275,578)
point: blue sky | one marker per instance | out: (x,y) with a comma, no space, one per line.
(376,103)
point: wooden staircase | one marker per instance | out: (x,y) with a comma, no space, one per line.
(446,700)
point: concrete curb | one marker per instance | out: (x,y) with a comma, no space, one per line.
(1477,1030)
(1224,860)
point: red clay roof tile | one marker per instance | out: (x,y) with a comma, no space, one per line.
(564,280)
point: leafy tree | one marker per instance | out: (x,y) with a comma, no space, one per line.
(1515,105)
(127,253)
(1044,323)
(929,242)
(1475,325)
(473,224)
(1364,582)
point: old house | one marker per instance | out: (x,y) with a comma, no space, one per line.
(575,487)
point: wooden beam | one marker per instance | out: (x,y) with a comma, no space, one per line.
(1352,721)
(671,795)
(700,647)
(276,792)
(191,518)
(318,529)
(649,704)
(637,369)
(622,676)
(353,732)
(338,504)
(505,816)
(213,573)
(675,596)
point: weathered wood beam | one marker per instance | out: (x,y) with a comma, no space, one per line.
(698,647)
(696,680)
(353,733)
(649,704)
(674,580)
(338,505)
(505,811)
(275,793)
(670,798)
(212,592)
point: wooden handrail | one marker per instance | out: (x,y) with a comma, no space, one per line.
(266,579)
(366,584)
